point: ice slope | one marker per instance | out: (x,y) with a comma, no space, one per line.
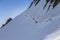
(34,24)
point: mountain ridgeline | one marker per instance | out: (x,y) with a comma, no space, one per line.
(35,23)
(53,3)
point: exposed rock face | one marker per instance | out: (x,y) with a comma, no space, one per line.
(53,3)
(6,22)
(34,2)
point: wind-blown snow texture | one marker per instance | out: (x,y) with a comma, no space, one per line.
(34,24)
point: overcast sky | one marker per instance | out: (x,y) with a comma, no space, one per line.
(12,8)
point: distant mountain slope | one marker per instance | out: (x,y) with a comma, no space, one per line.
(34,24)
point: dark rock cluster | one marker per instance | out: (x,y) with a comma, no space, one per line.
(53,3)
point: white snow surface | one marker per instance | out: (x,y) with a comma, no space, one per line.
(24,27)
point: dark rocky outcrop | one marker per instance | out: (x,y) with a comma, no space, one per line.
(35,2)
(6,22)
(53,3)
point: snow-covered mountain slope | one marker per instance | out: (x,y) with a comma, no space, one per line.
(34,24)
